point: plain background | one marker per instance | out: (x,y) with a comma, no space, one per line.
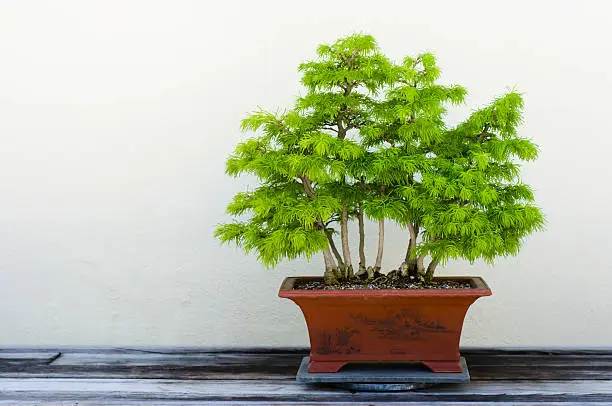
(116,118)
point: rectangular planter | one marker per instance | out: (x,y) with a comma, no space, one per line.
(385,325)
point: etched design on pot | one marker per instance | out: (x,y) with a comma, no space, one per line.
(404,325)
(338,342)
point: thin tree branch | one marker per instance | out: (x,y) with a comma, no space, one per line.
(389,141)
(307,183)
(332,219)
(480,137)
(485,130)
(330,129)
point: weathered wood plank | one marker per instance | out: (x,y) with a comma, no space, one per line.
(25,358)
(156,350)
(197,374)
(539,373)
(219,361)
(219,403)
(515,352)
(178,366)
(267,376)
(223,360)
(78,390)
(192,363)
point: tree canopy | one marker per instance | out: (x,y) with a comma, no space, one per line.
(368,140)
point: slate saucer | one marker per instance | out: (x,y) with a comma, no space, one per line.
(382,377)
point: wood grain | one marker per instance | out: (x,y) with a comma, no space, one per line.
(267,376)
(484,364)
(55,389)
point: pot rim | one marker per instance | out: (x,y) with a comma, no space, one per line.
(479,288)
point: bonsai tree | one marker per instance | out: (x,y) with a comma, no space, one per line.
(368,141)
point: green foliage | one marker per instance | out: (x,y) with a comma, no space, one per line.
(370,135)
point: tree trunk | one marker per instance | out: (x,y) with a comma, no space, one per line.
(332,245)
(411,263)
(362,258)
(431,268)
(329,277)
(420,265)
(331,268)
(409,249)
(346,251)
(381,243)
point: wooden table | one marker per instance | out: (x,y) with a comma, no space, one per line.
(152,376)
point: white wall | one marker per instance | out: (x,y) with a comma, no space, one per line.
(116,118)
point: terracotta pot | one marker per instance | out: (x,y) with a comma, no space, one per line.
(384,325)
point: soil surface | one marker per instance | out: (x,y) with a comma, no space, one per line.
(383,282)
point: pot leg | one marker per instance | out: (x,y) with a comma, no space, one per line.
(325,366)
(443,366)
